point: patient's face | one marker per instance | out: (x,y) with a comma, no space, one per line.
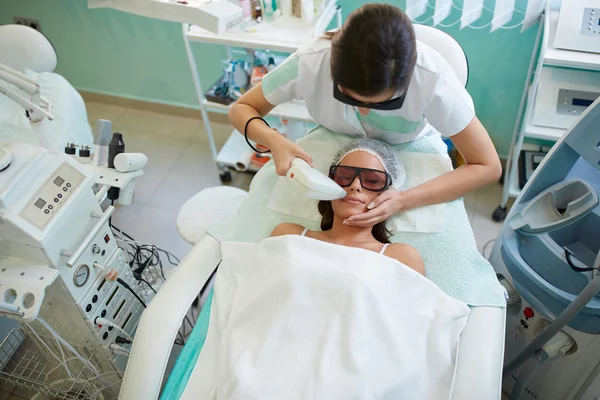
(358,198)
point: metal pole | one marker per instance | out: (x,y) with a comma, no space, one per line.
(518,133)
(200,94)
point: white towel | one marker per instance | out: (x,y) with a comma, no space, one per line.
(296,318)
(451,256)
(288,200)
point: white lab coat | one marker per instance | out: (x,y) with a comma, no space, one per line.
(435,101)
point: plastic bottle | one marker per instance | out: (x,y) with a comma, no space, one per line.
(308,11)
(286,8)
(271,65)
(297,8)
(268,7)
(319,6)
(246,9)
(102,136)
(256,10)
(116,146)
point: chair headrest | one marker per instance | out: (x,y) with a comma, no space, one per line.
(22,47)
(448,48)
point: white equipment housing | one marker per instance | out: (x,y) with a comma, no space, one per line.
(52,232)
(552,228)
(579,26)
(214,16)
(563,95)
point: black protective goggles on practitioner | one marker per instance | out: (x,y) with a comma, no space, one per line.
(370,179)
(394,103)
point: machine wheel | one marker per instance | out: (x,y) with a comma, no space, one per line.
(225,176)
(499,214)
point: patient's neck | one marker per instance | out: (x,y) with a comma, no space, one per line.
(345,234)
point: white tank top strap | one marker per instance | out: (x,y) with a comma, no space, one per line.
(304,232)
(385,246)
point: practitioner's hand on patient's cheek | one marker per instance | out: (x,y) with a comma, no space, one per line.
(284,151)
(381,208)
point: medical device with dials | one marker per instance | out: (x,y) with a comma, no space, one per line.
(579,26)
(56,246)
(563,95)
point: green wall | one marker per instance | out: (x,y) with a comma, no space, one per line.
(110,52)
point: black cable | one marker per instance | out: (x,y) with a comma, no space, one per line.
(169,255)
(180,341)
(148,256)
(126,286)
(194,317)
(121,232)
(146,282)
(568,254)
(112,203)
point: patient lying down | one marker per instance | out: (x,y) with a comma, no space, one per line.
(327,317)
(359,168)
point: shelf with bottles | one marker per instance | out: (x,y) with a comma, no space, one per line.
(282,31)
(243,73)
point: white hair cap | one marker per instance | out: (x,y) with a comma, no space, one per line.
(384,153)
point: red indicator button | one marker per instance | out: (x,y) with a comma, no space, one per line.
(528,312)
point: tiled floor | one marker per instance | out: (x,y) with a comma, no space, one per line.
(180,166)
(11,392)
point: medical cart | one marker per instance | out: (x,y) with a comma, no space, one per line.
(284,35)
(559,86)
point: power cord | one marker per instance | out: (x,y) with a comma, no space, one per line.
(146,282)
(144,255)
(126,286)
(122,340)
(103,321)
(118,349)
(568,255)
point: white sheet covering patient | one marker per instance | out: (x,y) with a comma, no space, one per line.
(320,317)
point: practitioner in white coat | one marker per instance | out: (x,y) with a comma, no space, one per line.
(373,79)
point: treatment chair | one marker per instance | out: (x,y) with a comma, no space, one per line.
(480,359)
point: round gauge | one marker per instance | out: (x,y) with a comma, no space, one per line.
(81,276)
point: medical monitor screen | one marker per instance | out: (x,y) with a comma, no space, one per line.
(582,102)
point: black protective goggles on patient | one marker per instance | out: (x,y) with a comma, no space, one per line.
(394,103)
(370,179)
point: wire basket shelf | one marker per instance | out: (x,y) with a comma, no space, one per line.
(27,362)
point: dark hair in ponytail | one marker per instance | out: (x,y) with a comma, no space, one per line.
(380,232)
(375,50)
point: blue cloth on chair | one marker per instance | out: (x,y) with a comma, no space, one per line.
(189,355)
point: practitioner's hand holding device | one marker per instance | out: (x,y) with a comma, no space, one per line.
(284,151)
(315,184)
